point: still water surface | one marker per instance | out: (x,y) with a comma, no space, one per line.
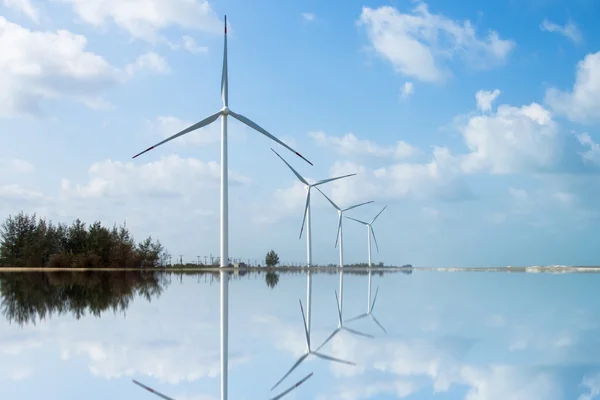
(449,336)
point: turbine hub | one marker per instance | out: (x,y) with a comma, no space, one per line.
(225,110)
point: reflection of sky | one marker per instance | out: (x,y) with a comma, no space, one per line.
(468,336)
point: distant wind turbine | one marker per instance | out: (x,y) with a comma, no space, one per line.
(370,305)
(309,351)
(224,251)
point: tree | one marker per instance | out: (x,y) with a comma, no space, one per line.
(272,259)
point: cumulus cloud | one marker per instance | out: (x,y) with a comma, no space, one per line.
(25,7)
(350,145)
(190,45)
(44,65)
(148,62)
(407,89)
(308,16)
(419,43)
(144,19)
(485,98)
(169,176)
(581,104)
(569,30)
(15,166)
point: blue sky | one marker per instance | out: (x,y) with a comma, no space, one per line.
(476,124)
(472,336)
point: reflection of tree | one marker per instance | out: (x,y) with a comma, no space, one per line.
(30,297)
(272,279)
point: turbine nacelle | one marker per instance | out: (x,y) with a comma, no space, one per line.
(225,110)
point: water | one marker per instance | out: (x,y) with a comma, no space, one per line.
(450,336)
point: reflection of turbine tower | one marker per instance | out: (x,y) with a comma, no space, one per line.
(370,305)
(341,326)
(309,351)
(224,345)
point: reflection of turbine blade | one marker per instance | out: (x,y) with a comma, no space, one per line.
(326,357)
(357,317)
(357,332)
(291,369)
(293,387)
(152,390)
(328,339)
(377,322)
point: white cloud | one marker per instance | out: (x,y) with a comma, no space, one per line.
(419,43)
(14,192)
(592,383)
(581,104)
(569,31)
(308,16)
(514,139)
(25,7)
(485,98)
(190,45)
(43,65)
(169,176)
(148,62)
(407,89)
(144,19)
(14,373)
(15,166)
(593,154)
(350,145)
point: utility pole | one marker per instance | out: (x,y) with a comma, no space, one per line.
(181,259)
(211,259)
(204,260)
(170,263)
(198,260)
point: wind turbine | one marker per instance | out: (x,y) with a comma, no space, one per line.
(309,351)
(340,237)
(224,251)
(370,305)
(306,220)
(279,396)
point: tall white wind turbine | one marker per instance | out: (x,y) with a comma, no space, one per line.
(370,305)
(309,352)
(224,251)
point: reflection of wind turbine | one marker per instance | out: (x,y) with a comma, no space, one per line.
(306,220)
(224,349)
(224,254)
(341,326)
(370,305)
(308,352)
(279,396)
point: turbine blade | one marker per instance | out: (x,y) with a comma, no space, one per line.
(198,125)
(305,211)
(338,229)
(255,126)
(357,220)
(339,308)
(377,322)
(357,205)
(357,332)
(280,395)
(374,299)
(332,179)
(339,360)
(357,317)
(152,390)
(327,340)
(374,238)
(328,199)
(305,327)
(291,369)
(290,167)
(378,214)
(224,78)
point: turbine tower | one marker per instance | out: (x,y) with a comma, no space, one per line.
(224,253)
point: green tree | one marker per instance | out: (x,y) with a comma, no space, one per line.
(272,259)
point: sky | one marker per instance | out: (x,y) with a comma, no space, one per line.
(476,124)
(468,336)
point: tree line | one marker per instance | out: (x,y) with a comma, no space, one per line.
(31,242)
